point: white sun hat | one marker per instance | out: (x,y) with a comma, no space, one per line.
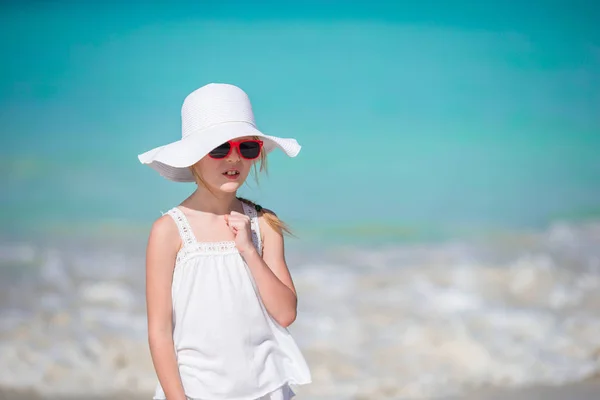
(210,116)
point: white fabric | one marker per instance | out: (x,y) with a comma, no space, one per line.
(210,116)
(227,345)
(283,393)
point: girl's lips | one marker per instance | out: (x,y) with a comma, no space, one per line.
(232,174)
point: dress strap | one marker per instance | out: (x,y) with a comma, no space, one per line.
(185,230)
(251,212)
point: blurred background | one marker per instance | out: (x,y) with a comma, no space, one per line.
(446,201)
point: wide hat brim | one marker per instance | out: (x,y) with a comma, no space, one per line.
(173,160)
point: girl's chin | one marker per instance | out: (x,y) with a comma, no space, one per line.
(230,187)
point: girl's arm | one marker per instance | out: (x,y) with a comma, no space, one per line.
(163,245)
(272,276)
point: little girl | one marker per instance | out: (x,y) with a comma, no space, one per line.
(219,293)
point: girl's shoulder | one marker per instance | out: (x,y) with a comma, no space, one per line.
(164,232)
(270,224)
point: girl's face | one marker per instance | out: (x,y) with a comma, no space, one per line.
(225,169)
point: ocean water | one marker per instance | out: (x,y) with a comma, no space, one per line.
(396,321)
(446,199)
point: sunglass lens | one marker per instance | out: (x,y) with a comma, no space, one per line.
(250,149)
(220,151)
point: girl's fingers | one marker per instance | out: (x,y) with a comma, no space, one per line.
(236,220)
(234,223)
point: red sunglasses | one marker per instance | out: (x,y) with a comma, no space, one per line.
(248,149)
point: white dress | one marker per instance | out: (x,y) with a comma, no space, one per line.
(227,345)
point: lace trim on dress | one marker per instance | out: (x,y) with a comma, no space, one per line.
(226,247)
(191,246)
(251,212)
(185,230)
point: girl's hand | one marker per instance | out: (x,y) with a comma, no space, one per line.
(240,226)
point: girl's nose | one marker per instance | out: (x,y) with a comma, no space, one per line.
(234,156)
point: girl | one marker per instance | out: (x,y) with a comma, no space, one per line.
(219,293)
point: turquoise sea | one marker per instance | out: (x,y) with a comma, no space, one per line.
(421,122)
(450,168)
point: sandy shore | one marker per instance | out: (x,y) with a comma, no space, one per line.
(588,390)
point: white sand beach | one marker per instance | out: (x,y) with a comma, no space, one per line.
(586,390)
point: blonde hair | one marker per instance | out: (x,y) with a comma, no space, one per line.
(270,217)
